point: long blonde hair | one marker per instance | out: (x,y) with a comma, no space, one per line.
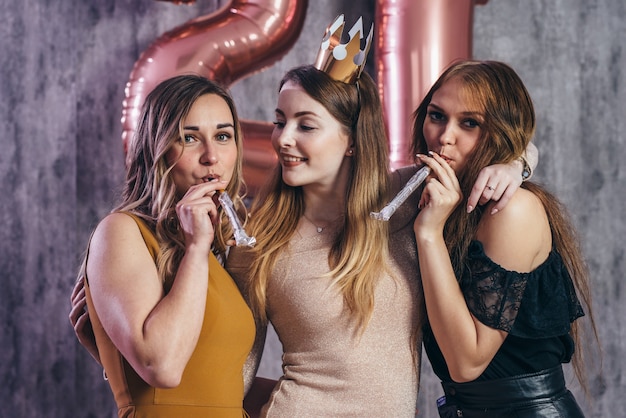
(149,191)
(358,255)
(509,125)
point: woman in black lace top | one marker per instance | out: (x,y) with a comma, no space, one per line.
(502,288)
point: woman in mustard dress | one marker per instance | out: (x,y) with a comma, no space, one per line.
(171,327)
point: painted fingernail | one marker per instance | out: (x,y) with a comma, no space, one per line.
(470,208)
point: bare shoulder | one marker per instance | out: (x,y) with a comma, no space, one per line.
(122,273)
(518,237)
(524,207)
(116,224)
(117,241)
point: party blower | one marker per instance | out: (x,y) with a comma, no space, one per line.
(241,238)
(410,186)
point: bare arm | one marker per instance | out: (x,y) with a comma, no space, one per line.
(154,331)
(517,239)
(467,345)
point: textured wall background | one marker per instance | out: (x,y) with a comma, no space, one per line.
(63,67)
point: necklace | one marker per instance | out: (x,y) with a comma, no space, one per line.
(320,229)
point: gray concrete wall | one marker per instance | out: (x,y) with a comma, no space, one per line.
(63,67)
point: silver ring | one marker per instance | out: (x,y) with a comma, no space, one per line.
(490,188)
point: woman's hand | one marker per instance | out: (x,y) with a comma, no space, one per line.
(197,213)
(496,182)
(440,196)
(79,318)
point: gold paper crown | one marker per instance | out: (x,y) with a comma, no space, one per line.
(343,62)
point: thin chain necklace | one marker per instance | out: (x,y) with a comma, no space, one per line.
(320,229)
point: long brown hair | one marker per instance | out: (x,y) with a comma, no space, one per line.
(509,125)
(359,252)
(149,191)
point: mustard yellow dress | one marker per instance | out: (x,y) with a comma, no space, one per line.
(212,383)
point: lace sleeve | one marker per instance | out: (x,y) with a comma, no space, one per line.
(538,304)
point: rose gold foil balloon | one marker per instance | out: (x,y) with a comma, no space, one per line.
(241,38)
(417,39)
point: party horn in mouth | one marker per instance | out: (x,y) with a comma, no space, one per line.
(410,186)
(241,238)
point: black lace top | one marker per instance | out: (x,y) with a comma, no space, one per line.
(535,308)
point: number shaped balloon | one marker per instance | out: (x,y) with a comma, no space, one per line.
(417,39)
(241,38)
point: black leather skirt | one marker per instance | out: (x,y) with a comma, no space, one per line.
(536,395)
